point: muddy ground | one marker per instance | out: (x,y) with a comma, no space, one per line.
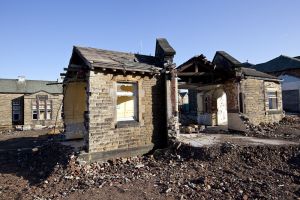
(47,170)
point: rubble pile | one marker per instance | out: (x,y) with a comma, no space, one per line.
(181,172)
(186,119)
(287,128)
(6,132)
(192,128)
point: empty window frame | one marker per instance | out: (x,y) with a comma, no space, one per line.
(49,110)
(273,100)
(127,105)
(34,110)
(34,114)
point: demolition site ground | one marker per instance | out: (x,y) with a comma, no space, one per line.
(35,165)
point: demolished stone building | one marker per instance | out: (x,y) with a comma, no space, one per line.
(224,93)
(121,104)
(30,103)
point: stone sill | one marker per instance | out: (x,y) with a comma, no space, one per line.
(273,112)
(125,124)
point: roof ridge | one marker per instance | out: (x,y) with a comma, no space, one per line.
(296,59)
(11,79)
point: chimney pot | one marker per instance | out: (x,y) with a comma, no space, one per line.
(21,78)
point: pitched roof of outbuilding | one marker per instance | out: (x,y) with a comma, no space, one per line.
(242,66)
(228,57)
(99,58)
(254,73)
(29,86)
(280,63)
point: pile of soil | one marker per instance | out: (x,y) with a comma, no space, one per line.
(225,171)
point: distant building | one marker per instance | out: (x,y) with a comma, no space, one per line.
(288,69)
(30,103)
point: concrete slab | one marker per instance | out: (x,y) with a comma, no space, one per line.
(202,139)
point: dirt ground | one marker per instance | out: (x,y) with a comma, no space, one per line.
(36,166)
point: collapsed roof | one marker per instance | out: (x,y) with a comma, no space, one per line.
(199,70)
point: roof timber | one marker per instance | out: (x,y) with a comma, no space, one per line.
(200,63)
(190,73)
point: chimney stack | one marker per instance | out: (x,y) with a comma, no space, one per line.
(164,51)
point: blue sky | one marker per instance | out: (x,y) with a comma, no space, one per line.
(36,37)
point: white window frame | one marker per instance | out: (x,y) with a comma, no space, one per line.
(135,100)
(272,97)
(36,108)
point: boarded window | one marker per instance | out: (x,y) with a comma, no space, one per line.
(126,101)
(273,100)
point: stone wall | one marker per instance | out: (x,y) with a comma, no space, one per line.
(256,101)
(56,110)
(108,135)
(231,90)
(26,112)
(6,109)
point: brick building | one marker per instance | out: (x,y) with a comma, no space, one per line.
(117,101)
(30,103)
(222,91)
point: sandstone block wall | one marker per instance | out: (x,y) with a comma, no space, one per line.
(6,109)
(256,101)
(56,110)
(105,133)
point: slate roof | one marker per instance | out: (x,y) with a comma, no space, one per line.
(29,86)
(99,58)
(254,73)
(243,67)
(166,47)
(228,57)
(281,63)
(247,64)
